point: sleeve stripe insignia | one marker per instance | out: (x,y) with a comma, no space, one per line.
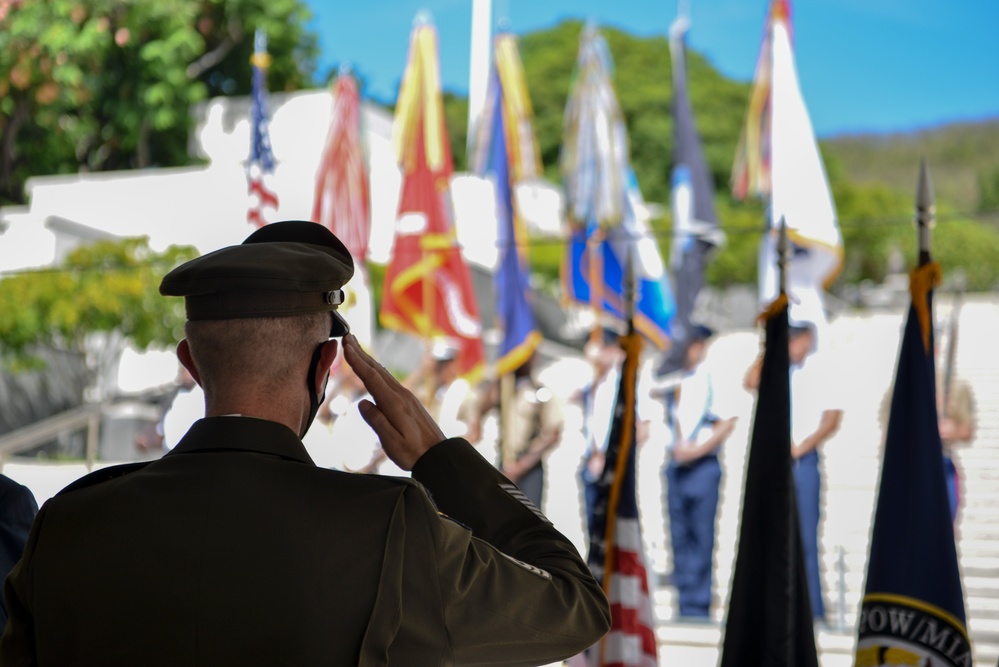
(518,495)
(527,566)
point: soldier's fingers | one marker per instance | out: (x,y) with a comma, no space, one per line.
(378,422)
(375,378)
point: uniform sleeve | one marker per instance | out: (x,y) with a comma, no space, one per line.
(552,414)
(17,645)
(513,590)
(962,407)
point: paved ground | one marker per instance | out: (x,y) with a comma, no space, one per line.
(866,346)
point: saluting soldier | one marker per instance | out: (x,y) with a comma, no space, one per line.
(235,549)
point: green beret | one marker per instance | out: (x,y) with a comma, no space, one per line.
(281,270)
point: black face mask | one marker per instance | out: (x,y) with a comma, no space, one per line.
(315,399)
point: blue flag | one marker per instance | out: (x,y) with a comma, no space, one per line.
(513,291)
(695,225)
(654,307)
(913,608)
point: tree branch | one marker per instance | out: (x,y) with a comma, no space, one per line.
(234,34)
(8,145)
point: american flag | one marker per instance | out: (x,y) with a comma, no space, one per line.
(616,556)
(261,162)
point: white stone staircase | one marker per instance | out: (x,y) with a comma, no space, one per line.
(866,347)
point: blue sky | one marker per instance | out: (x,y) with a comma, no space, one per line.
(864,65)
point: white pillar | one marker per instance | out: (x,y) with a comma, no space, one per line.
(478,75)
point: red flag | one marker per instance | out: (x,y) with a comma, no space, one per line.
(342,201)
(428,289)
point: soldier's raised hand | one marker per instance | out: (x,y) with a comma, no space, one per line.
(403,425)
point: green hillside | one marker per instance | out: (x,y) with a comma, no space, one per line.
(963,157)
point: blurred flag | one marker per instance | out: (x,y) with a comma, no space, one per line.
(778,160)
(428,289)
(507,153)
(695,225)
(769,620)
(604,203)
(342,201)
(260,167)
(913,608)
(616,555)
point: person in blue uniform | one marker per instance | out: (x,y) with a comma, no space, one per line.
(693,476)
(236,549)
(816,413)
(815,417)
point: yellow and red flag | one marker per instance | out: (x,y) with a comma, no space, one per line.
(428,289)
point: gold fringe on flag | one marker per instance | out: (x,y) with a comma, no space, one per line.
(776,307)
(923,279)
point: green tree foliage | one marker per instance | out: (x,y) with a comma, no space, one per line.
(965,244)
(988,191)
(108,84)
(874,220)
(456,120)
(735,262)
(107,291)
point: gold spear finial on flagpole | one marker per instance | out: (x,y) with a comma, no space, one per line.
(925,211)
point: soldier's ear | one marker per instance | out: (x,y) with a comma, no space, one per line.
(186,360)
(326,358)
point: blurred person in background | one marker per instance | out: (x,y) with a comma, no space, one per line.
(693,474)
(533,428)
(449,398)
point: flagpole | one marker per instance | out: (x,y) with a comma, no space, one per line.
(683,9)
(925,212)
(782,256)
(593,247)
(478,76)
(629,290)
(792,518)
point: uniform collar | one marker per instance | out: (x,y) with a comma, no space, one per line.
(247,434)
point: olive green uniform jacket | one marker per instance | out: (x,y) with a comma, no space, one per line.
(235,549)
